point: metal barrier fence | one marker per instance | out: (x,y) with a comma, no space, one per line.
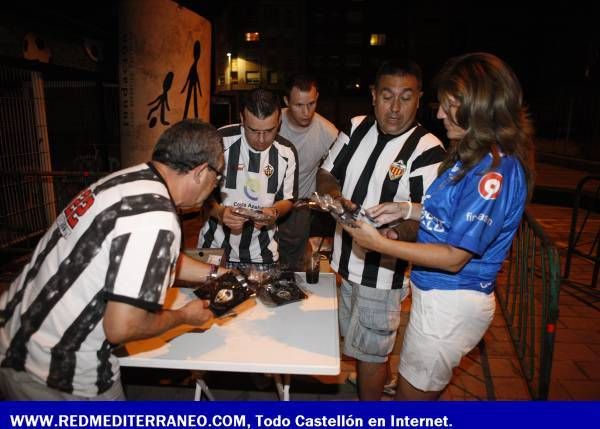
(584,235)
(29,203)
(51,118)
(528,295)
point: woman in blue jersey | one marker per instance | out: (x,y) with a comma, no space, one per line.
(468,218)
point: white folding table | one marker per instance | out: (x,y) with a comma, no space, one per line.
(297,338)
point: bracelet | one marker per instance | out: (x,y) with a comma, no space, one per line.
(407,217)
(214,270)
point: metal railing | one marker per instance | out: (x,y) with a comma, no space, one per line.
(528,295)
(30,201)
(584,235)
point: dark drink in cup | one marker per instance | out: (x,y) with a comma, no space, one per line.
(312,268)
(312,276)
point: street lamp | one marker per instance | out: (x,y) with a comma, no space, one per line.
(229,68)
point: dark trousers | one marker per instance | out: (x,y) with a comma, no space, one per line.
(293,232)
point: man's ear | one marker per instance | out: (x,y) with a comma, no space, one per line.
(286,101)
(197,172)
(373,94)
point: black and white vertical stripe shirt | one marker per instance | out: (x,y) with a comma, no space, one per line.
(117,240)
(252,179)
(373,168)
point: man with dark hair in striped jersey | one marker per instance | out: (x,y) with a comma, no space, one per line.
(98,277)
(260,175)
(385,157)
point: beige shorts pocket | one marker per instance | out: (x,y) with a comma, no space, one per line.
(376,331)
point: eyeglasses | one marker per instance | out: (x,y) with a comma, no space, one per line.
(218,174)
(263,133)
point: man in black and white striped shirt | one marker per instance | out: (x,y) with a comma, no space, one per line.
(98,277)
(260,174)
(380,158)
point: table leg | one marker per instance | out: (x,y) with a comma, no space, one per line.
(201,386)
(283,386)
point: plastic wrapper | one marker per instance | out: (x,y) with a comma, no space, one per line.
(272,287)
(253,214)
(281,289)
(225,292)
(340,213)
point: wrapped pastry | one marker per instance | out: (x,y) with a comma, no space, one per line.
(225,292)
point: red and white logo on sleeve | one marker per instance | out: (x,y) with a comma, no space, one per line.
(490,185)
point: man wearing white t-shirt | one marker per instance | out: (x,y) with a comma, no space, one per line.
(312,135)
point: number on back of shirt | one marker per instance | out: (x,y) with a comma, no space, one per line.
(77,208)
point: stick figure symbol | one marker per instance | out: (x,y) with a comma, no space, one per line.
(161,101)
(193,83)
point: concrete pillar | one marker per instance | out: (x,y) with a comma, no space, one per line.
(164,72)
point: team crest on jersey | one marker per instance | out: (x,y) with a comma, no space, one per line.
(490,185)
(240,167)
(396,170)
(268,170)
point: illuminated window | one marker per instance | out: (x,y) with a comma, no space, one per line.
(377,40)
(252,77)
(253,37)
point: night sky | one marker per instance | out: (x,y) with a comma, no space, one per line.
(546,43)
(553,47)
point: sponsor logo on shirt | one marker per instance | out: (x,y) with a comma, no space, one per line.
(431,223)
(245,205)
(252,188)
(485,285)
(481,217)
(490,185)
